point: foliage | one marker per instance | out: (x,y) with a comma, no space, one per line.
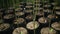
(8,3)
(58,2)
(30,1)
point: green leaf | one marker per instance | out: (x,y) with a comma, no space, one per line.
(21,32)
(51,29)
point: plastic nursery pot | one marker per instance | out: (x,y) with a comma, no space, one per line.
(38,5)
(29,6)
(57,12)
(5,28)
(19,22)
(19,14)
(37,8)
(45,2)
(11,11)
(20,30)
(53,3)
(40,14)
(21,6)
(28,11)
(18,9)
(37,1)
(57,8)
(52,17)
(56,26)
(8,18)
(23,3)
(29,3)
(47,30)
(47,6)
(2,10)
(29,17)
(32,25)
(47,11)
(43,20)
(57,17)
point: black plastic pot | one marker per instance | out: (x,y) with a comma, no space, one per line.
(29,17)
(7,31)
(9,20)
(18,15)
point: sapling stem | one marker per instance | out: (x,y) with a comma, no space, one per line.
(34,14)
(14,7)
(43,7)
(53,12)
(3,7)
(49,26)
(49,22)
(7,4)
(13,3)
(17,4)
(49,18)
(21,32)
(3,3)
